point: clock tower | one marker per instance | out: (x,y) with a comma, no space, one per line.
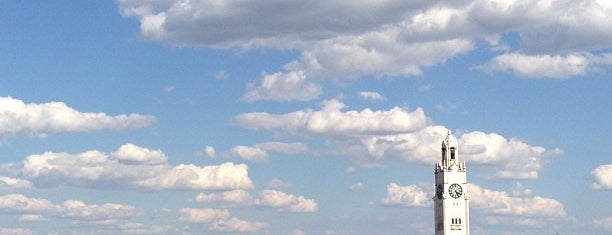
(451,204)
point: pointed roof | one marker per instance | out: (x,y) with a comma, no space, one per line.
(450,140)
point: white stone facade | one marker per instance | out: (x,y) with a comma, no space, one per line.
(451,201)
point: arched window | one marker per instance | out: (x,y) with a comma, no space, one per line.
(452,153)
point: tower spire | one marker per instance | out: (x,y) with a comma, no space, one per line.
(450,151)
(451,202)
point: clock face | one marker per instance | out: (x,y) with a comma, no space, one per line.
(439,191)
(455,190)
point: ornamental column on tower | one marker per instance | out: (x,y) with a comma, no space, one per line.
(451,202)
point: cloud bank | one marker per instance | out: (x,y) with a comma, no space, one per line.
(130,166)
(267,198)
(46,119)
(603,177)
(373,137)
(342,41)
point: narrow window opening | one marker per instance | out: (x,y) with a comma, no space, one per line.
(453,153)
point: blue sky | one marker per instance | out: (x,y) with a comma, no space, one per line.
(292,117)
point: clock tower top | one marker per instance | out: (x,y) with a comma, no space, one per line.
(451,202)
(450,155)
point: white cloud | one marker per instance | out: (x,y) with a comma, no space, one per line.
(260,152)
(379,54)
(209,151)
(169,89)
(31,217)
(297,232)
(267,198)
(277,184)
(78,209)
(16,231)
(21,203)
(603,177)
(215,177)
(331,121)
(584,26)
(14,183)
(371,95)
(375,137)
(286,202)
(284,148)
(129,167)
(283,87)
(219,220)
(406,196)
(236,225)
(605,223)
(221,75)
(373,38)
(237,23)
(357,187)
(384,53)
(239,197)
(541,66)
(507,159)
(501,203)
(250,153)
(56,117)
(515,159)
(34,208)
(131,153)
(204,216)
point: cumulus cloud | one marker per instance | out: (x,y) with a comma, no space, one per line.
(332,121)
(205,215)
(286,202)
(31,217)
(383,53)
(238,197)
(16,231)
(297,232)
(605,223)
(357,187)
(406,196)
(373,137)
(219,220)
(56,117)
(267,198)
(511,159)
(260,152)
(379,54)
(130,153)
(371,95)
(250,153)
(209,151)
(238,23)
(502,203)
(547,66)
(603,177)
(21,203)
(14,183)
(517,159)
(130,166)
(390,38)
(36,207)
(289,86)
